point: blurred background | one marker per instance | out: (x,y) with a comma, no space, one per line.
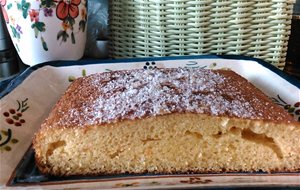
(9,62)
(292,65)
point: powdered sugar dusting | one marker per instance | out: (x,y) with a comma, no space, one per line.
(110,97)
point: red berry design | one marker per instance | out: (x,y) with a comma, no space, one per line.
(14,116)
(18,124)
(12,111)
(9,121)
(297,104)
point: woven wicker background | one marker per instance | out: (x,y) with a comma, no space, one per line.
(257,28)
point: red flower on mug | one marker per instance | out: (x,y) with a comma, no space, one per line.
(34,15)
(67,8)
(3,3)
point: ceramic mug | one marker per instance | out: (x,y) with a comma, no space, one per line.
(46,30)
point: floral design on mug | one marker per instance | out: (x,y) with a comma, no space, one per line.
(38,26)
(66,11)
(48,12)
(34,15)
(24,7)
(19,29)
(67,8)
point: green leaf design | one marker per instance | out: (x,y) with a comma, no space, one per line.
(9,6)
(16,34)
(40,26)
(19,6)
(14,141)
(24,7)
(36,32)
(7,148)
(71,78)
(291,109)
(83,72)
(8,134)
(82,25)
(17,47)
(15,117)
(71,21)
(24,109)
(59,34)
(4,132)
(44,44)
(63,35)
(108,70)
(73,38)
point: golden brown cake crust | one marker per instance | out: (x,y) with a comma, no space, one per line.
(115,96)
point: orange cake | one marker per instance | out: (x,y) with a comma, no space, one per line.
(166,121)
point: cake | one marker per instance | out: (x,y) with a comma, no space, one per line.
(166,121)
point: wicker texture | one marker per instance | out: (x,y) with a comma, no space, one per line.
(257,28)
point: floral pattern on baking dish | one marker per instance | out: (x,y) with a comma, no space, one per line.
(14,118)
(21,110)
(293,109)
